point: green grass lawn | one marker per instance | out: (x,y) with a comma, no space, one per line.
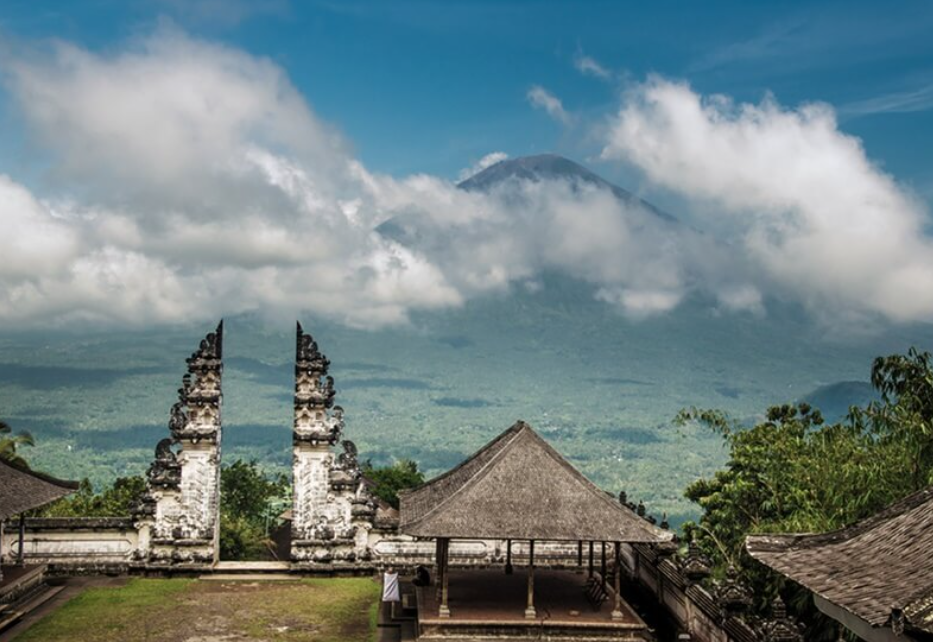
(325,610)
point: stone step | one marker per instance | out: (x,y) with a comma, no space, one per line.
(27,604)
(252,567)
(9,618)
(250,577)
(41,598)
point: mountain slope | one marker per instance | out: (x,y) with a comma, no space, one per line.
(544,167)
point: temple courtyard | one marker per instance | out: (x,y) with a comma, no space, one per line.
(209,610)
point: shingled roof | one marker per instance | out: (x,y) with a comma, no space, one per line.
(868,569)
(22,489)
(519,487)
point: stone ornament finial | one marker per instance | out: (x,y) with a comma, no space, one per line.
(348,459)
(196,415)
(314,395)
(165,471)
(732,595)
(307,354)
(211,347)
(696,566)
(780,627)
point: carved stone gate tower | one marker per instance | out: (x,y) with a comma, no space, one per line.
(179,518)
(332,511)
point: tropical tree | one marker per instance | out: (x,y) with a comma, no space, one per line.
(249,504)
(117,500)
(387,481)
(10,444)
(795,473)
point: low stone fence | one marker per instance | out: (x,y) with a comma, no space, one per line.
(76,545)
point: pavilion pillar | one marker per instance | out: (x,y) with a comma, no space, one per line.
(530,613)
(602,563)
(580,556)
(444,610)
(438,568)
(591,560)
(21,551)
(617,584)
(508,557)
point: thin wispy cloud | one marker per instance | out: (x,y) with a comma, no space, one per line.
(224,13)
(818,37)
(541,98)
(769,44)
(899,102)
(589,66)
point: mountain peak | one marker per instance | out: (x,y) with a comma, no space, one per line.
(534,168)
(542,167)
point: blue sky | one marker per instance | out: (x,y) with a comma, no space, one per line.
(433,86)
(159,150)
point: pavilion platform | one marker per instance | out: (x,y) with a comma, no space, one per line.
(490,605)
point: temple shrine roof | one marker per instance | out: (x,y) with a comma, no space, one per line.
(517,486)
(879,569)
(22,489)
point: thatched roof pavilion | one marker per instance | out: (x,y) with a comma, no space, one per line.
(22,489)
(518,487)
(875,577)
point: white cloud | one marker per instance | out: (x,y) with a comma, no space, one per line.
(192,181)
(541,98)
(188,180)
(35,242)
(200,183)
(488,160)
(818,220)
(589,66)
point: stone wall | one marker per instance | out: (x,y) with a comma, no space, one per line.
(709,611)
(77,545)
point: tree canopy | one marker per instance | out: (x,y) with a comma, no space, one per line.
(387,481)
(10,444)
(793,472)
(116,501)
(250,503)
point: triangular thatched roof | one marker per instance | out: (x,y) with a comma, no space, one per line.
(22,489)
(882,563)
(519,487)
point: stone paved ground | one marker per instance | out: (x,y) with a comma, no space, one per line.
(176,610)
